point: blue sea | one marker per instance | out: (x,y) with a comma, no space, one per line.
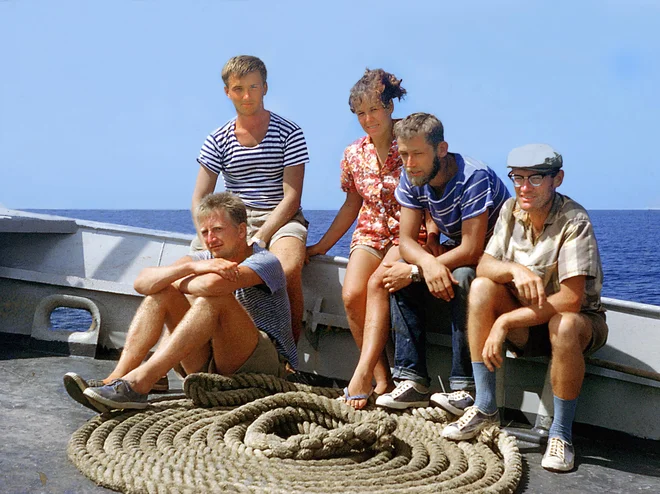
(628,242)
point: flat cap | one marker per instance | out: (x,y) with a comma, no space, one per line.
(539,157)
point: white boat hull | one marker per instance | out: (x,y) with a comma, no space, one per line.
(44,256)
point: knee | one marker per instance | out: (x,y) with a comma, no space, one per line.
(164,296)
(566,332)
(292,260)
(214,304)
(482,293)
(353,298)
(292,270)
(376,281)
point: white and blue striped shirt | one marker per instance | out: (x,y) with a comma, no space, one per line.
(474,189)
(268,303)
(255,174)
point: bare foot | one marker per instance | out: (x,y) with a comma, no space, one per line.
(359,390)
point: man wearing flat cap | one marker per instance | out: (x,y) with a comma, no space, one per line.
(537,289)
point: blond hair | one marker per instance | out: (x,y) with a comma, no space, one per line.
(242,65)
(222,201)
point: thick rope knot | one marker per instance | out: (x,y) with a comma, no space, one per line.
(290,439)
(315,428)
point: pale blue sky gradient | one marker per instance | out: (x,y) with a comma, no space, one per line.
(104,105)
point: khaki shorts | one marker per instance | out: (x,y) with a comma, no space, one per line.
(264,360)
(295,227)
(380,254)
(538,343)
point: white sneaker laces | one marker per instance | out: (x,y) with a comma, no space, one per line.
(556,448)
(458,395)
(401,388)
(467,416)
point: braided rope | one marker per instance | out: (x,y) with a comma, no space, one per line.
(264,434)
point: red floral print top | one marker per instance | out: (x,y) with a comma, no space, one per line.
(378,221)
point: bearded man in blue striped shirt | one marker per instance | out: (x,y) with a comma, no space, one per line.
(463,197)
(262,158)
(225,310)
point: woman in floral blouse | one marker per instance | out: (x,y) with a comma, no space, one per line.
(370,171)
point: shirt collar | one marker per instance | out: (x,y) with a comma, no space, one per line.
(391,153)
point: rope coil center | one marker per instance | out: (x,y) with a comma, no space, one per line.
(292,432)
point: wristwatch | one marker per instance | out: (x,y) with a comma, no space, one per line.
(414,273)
(259,242)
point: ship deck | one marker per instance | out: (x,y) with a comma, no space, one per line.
(37,417)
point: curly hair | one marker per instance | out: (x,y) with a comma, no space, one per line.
(376,82)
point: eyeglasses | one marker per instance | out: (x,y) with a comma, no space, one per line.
(535,180)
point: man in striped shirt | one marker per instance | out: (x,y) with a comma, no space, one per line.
(463,196)
(262,158)
(225,310)
(538,290)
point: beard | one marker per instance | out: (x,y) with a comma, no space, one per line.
(421,181)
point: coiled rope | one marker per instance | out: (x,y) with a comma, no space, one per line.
(264,434)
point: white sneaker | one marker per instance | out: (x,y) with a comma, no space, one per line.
(406,394)
(559,456)
(455,403)
(470,424)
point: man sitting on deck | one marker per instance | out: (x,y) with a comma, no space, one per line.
(538,289)
(225,310)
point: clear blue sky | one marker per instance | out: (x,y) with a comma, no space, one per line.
(105,104)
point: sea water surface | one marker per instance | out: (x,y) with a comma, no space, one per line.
(628,242)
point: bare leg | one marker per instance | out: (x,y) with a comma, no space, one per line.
(570,334)
(373,362)
(487,301)
(222,320)
(166,307)
(291,253)
(361,265)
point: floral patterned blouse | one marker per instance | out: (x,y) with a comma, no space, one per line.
(378,221)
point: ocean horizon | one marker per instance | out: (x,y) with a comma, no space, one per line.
(627,239)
